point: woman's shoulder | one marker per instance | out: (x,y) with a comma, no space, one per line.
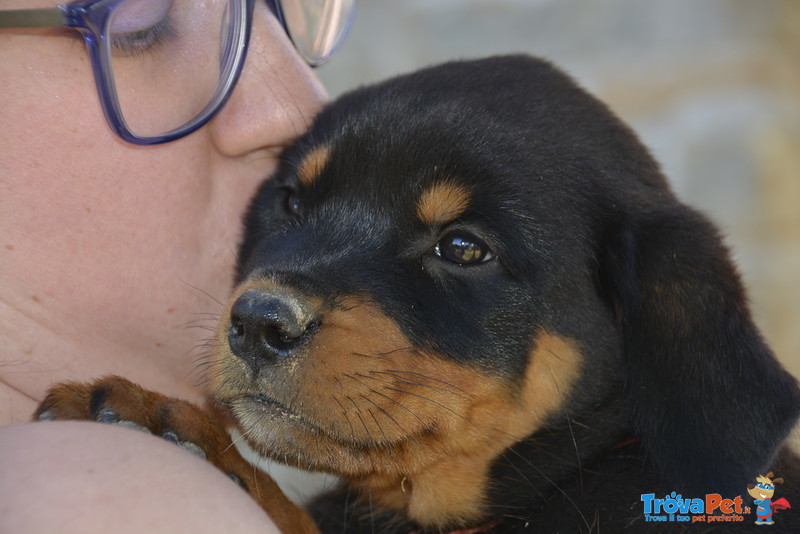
(77,476)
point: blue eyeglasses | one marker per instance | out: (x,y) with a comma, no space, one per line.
(163,68)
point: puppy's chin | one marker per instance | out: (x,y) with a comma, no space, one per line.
(277,432)
(289,437)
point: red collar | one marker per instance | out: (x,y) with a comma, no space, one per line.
(486,527)
(623,444)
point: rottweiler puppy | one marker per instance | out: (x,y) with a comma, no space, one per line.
(471,294)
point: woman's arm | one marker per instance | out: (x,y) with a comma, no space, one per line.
(88,477)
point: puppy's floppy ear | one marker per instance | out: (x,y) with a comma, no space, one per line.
(708,399)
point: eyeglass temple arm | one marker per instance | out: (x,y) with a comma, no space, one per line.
(32,18)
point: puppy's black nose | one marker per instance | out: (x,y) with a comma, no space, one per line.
(268,326)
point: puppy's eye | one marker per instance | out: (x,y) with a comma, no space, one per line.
(292,202)
(463,249)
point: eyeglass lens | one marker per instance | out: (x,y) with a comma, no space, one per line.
(171,59)
(317,27)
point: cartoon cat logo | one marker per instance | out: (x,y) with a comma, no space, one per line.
(762,492)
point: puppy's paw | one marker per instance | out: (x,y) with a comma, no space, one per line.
(117,401)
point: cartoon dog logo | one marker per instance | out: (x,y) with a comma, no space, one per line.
(762,492)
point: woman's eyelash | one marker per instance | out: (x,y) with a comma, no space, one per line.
(144,40)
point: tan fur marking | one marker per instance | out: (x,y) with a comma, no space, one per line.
(442,203)
(415,431)
(313,163)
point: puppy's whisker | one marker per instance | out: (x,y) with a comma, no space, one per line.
(208,315)
(199,327)
(525,478)
(404,349)
(371,511)
(373,356)
(392,372)
(358,413)
(203,292)
(208,323)
(384,412)
(206,364)
(440,405)
(549,480)
(568,418)
(429,378)
(256,469)
(203,318)
(346,417)
(242,436)
(579,423)
(202,369)
(346,507)
(386,440)
(558,357)
(203,359)
(400,404)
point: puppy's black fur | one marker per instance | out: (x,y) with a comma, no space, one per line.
(580,237)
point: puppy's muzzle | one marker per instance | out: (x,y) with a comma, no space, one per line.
(269,326)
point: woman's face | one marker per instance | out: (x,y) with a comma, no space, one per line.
(120,247)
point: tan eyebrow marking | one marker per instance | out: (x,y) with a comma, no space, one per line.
(442,203)
(311,167)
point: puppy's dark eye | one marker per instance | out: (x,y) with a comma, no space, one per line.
(463,249)
(292,202)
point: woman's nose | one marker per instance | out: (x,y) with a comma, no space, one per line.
(276,97)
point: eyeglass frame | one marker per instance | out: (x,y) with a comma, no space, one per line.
(89,18)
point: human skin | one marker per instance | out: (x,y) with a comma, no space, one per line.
(111,253)
(105,483)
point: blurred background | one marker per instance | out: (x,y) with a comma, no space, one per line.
(712,87)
